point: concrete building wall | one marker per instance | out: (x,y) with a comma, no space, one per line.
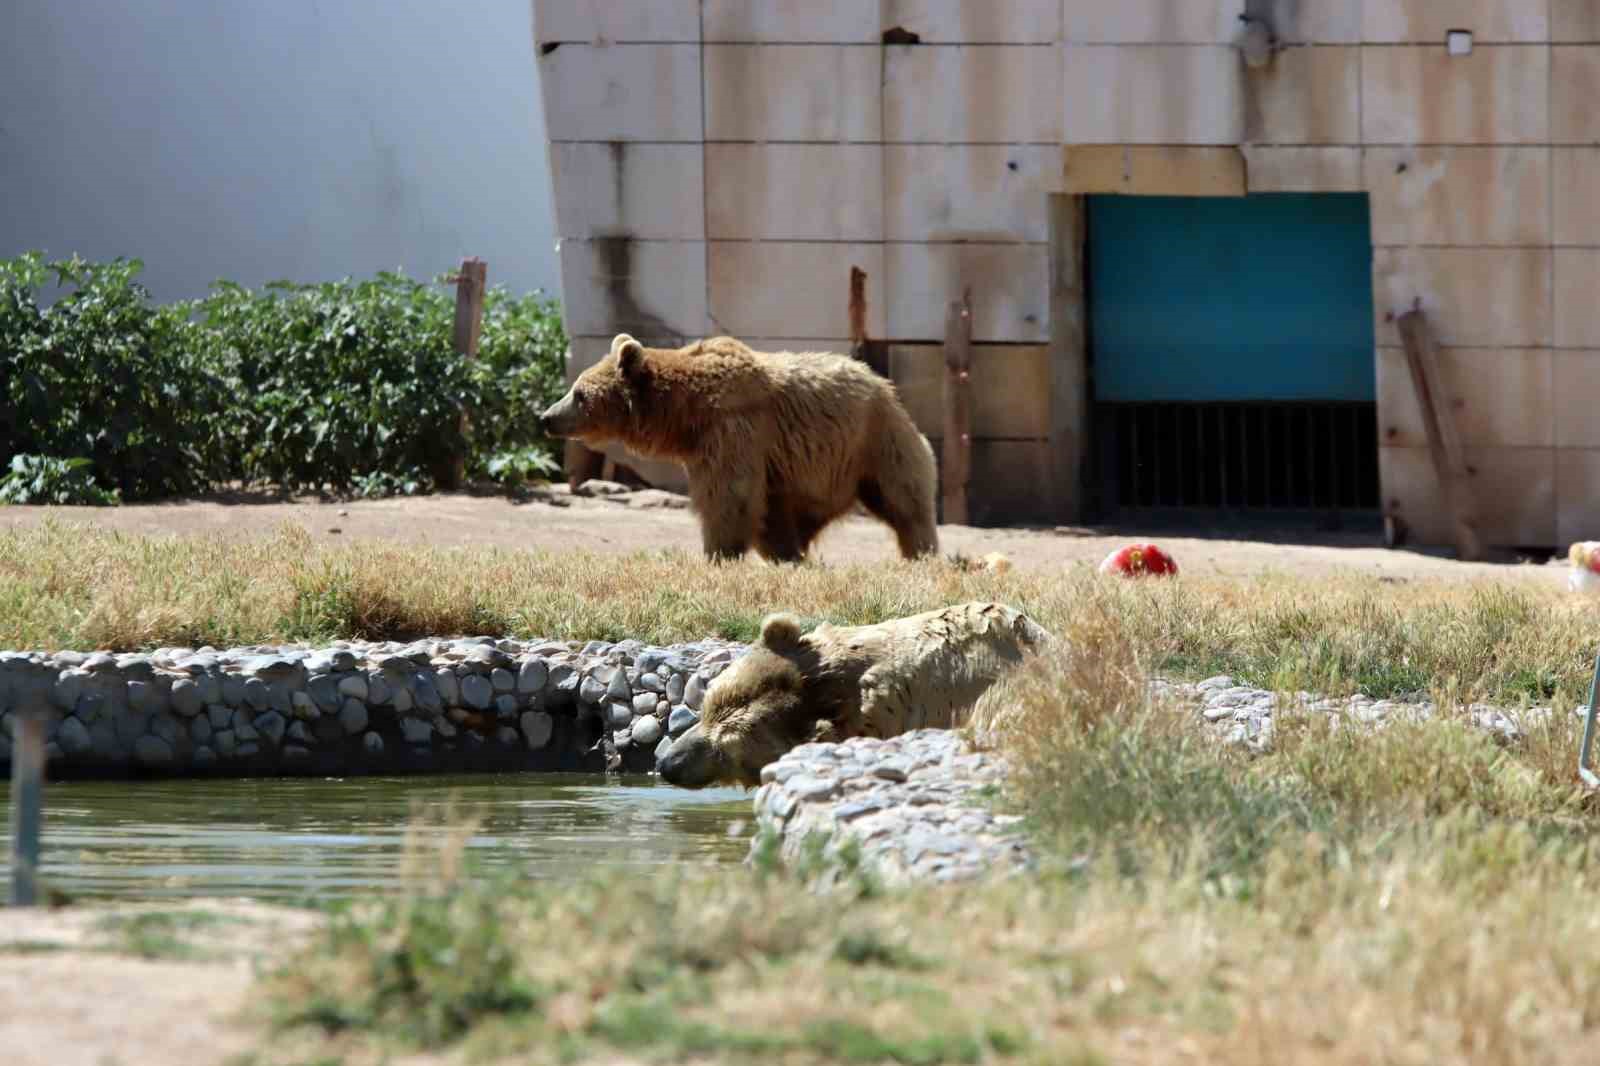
(295,139)
(814,147)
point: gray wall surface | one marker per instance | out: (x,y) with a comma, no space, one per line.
(299,139)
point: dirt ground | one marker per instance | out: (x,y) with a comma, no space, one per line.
(77,992)
(650,520)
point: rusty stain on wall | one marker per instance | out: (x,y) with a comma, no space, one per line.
(615,252)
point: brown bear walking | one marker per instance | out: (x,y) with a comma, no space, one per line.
(776,445)
(921,672)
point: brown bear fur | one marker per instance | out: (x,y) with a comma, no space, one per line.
(776,445)
(921,672)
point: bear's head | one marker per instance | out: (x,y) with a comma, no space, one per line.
(754,711)
(601,405)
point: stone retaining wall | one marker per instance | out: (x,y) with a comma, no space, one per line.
(913,807)
(353,708)
(918,807)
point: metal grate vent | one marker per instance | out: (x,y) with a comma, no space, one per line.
(1281,456)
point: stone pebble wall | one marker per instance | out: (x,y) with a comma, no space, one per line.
(920,807)
(350,708)
(913,807)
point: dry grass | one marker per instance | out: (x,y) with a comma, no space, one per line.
(1418,894)
(70,586)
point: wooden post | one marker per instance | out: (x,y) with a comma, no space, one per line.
(471,284)
(27,788)
(1069,390)
(1444,442)
(957,445)
(858,313)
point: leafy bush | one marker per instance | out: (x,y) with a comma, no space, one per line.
(41,479)
(352,386)
(104,375)
(519,372)
(356,385)
(521,466)
(339,379)
(382,483)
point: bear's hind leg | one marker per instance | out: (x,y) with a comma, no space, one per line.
(900,486)
(916,533)
(780,539)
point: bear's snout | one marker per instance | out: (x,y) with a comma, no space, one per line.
(691,762)
(559,419)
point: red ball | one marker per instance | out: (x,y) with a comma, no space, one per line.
(1139,560)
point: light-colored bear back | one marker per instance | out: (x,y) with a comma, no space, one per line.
(929,669)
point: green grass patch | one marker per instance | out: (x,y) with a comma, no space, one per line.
(33,947)
(164,934)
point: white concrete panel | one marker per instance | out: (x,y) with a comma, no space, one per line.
(985,22)
(948,192)
(791,288)
(1009,283)
(622,92)
(1151,21)
(674,21)
(808,192)
(1427,21)
(791,21)
(1153,94)
(793,93)
(646,288)
(1422,95)
(945,94)
(622,188)
(1459,195)
(1306,96)
(1478,297)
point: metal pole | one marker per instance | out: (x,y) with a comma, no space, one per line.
(27,786)
(1588,775)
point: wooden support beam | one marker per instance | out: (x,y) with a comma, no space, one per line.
(27,804)
(471,283)
(858,313)
(1444,441)
(1069,381)
(957,443)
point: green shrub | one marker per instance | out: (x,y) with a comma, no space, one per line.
(42,479)
(519,371)
(350,386)
(337,379)
(356,385)
(516,468)
(104,375)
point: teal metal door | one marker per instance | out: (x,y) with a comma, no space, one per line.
(1232,353)
(1265,297)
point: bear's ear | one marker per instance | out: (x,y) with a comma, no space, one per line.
(780,631)
(630,355)
(619,340)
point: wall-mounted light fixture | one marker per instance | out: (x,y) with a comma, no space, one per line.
(1458,42)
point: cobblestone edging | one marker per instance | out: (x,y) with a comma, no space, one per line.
(915,807)
(1243,715)
(349,708)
